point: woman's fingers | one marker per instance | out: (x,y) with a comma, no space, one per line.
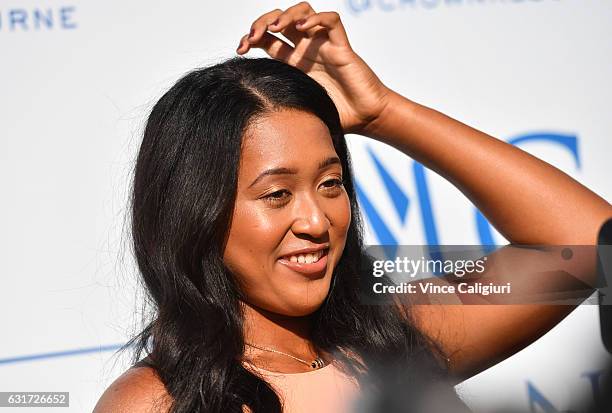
(285,23)
(260,25)
(271,44)
(275,47)
(278,21)
(298,22)
(243,45)
(331,21)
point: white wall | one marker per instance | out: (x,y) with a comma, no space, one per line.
(75,95)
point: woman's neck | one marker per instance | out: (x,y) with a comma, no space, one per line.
(275,331)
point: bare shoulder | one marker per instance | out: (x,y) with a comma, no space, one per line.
(138,390)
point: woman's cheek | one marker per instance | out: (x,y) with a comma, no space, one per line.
(341,220)
(344,214)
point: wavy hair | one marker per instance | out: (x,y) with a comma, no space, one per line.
(182,198)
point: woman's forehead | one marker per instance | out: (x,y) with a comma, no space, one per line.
(284,139)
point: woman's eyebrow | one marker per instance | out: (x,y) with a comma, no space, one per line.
(332,160)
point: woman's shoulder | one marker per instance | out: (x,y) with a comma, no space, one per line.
(137,390)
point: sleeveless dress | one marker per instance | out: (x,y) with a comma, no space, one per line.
(326,390)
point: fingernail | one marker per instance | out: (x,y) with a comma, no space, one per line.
(300,22)
(251,33)
(275,22)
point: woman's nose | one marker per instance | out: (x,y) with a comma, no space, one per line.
(310,219)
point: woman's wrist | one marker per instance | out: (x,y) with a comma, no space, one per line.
(395,108)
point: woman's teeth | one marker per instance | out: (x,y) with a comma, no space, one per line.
(307,258)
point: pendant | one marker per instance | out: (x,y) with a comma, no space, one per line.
(317,363)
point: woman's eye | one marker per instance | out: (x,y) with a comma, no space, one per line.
(333,183)
(277,197)
(282,196)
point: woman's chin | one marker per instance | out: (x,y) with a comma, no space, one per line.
(302,306)
(304,311)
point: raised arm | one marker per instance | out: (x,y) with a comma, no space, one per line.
(528,200)
(525,198)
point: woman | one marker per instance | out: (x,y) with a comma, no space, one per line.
(246,232)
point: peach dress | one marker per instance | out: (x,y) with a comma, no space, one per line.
(326,390)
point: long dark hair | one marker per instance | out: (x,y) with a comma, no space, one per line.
(182,199)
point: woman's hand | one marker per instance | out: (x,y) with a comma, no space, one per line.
(323,52)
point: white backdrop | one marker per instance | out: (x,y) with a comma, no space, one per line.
(79,77)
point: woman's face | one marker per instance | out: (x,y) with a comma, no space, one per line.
(289,198)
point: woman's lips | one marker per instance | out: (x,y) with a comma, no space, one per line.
(304,268)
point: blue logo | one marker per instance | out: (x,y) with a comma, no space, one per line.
(539,403)
(401,202)
(38,19)
(359,6)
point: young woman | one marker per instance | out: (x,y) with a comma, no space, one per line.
(246,231)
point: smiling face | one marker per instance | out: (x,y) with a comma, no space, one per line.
(289,197)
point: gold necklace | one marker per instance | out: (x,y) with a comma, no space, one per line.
(315,364)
